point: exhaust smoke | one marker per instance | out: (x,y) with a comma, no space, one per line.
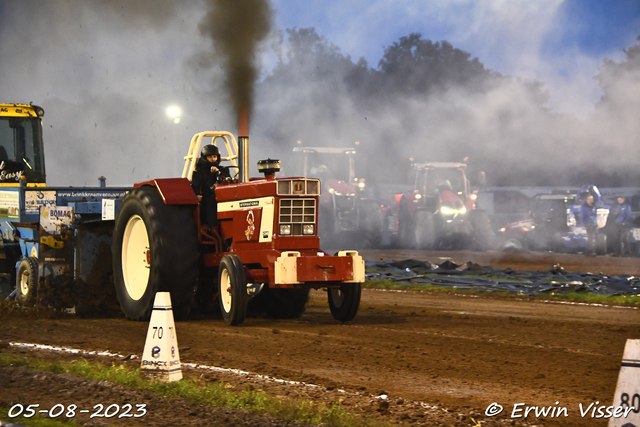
(236,28)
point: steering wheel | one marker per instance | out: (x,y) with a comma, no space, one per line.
(235,177)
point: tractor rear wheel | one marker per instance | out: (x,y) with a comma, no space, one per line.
(27,281)
(232,283)
(155,249)
(345,301)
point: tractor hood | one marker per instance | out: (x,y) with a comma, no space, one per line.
(333,186)
(523,225)
(450,205)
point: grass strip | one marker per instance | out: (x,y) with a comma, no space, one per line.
(256,401)
(585,297)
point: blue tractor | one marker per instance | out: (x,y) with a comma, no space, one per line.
(54,241)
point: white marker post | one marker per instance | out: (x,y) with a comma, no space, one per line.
(160,358)
(628,388)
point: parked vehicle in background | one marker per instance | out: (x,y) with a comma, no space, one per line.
(555,225)
(57,237)
(440,211)
(346,213)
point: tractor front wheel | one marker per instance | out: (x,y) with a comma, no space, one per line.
(424,230)
(155,249)
(483,234)
(233,290)
(345,301)
(27,281)
(370,223)
(406,230)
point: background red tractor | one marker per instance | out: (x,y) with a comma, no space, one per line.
(440,211)
(346,213)
(266,246)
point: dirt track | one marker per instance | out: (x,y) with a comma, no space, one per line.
(453,352)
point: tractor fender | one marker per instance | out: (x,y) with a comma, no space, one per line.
(174,191)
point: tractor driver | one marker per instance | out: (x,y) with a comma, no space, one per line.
(207,173)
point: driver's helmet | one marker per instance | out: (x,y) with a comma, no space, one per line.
(319,171)
(210,150)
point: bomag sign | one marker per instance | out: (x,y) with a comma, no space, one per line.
(52,217)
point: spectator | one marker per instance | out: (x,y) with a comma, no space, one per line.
(622,215)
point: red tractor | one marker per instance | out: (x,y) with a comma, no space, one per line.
(346,213)
(440,211)
(266,246)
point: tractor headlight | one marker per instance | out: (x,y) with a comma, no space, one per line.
(285,229)
(308,229)
(447,210)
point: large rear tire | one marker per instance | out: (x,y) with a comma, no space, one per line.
(345,301)
(27,281)
(232,283)
(155,249)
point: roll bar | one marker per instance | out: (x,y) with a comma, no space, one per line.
(194,150)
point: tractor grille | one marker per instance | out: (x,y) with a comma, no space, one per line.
(299,186)
(297,212)
(344,202)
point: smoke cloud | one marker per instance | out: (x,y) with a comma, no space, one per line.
(106,71)
(236,28)
(446,107)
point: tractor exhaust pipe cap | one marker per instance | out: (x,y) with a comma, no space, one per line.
(269,167)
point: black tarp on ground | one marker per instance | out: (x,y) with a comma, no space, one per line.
(474,276)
